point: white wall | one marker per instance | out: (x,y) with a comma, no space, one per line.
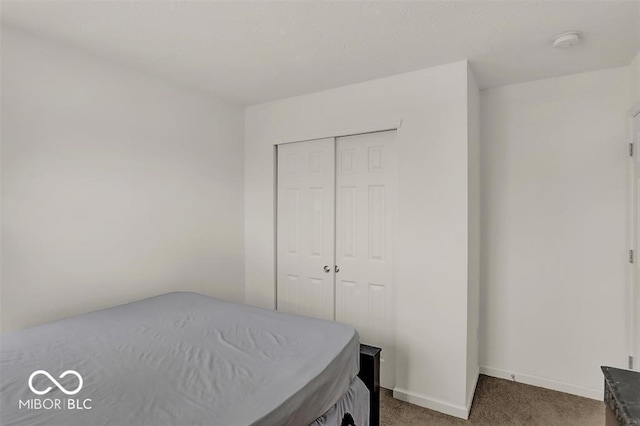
(432,202)
(115,185)
(634,75)
(473,290)
(553,230)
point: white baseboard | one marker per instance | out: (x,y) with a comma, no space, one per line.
(430,403)
(472,392)
(544,383)
(438,405)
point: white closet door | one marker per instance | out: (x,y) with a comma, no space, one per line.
(305,228)
(365,200)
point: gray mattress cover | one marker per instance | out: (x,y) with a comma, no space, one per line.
(179,359)
(355,402)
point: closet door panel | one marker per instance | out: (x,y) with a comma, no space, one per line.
(305,228)
(365,199)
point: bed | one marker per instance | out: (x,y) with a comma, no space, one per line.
(183,359)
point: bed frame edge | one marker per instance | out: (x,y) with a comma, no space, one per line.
(370,375)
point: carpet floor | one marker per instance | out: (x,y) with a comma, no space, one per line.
(501,402)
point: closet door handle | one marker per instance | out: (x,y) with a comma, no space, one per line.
(327,269)
(337,269)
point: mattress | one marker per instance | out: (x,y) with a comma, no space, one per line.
(176,359)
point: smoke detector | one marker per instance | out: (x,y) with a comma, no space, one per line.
(568,39)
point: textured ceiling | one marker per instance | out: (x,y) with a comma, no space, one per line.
(255,52)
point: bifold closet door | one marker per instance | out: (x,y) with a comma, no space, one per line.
(305,228)
(366,172)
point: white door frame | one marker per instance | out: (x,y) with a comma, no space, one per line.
(632,291)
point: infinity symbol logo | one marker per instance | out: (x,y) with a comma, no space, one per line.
(55,382)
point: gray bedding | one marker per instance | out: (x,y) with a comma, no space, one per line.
(355,402)
(178,359)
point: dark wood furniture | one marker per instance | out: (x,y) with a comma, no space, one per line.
(621,396)
(370,375)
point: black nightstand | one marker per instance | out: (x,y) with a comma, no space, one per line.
(622,396)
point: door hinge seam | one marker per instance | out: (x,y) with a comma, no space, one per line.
(631,256)
(631,149)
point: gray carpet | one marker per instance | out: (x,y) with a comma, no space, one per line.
(501,402)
